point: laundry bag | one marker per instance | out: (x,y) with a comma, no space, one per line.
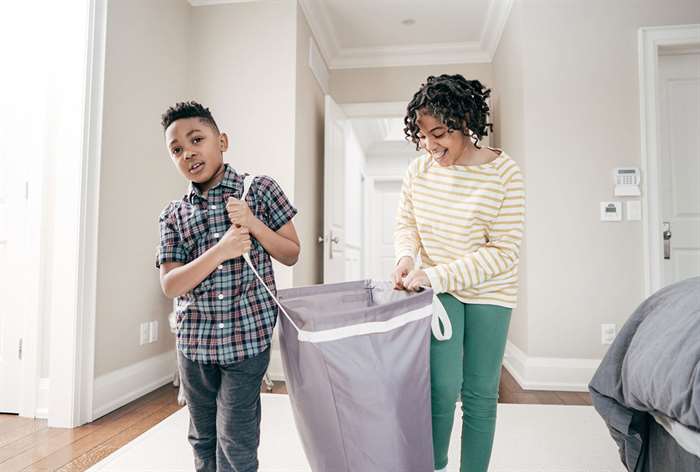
(356,357)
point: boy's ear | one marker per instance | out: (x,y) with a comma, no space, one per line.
(223,142)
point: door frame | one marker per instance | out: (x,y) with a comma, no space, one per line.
(371,110)
(650,40)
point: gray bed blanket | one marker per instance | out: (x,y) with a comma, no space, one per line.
(652,366)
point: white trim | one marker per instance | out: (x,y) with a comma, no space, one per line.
(337,57)
(42,401)
(413,55)
(122,386)
(650,40)
(495,24)
(360,329)
(89,214)
(374,110)
(549,373)
(207,3)
(318,66)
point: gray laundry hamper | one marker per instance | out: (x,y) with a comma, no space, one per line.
(356,357)
(356,361)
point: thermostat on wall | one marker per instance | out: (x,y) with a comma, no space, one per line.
(610,211)
(627,181)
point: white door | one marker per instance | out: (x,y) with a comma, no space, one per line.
(679,165)
(333,237)
(12,253)
(384,201)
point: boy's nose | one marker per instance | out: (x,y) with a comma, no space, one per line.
(188,155)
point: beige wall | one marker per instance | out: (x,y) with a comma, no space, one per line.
(308,162)
(580,120)
(242,65)
(145,71)
(507,103)
(395,84)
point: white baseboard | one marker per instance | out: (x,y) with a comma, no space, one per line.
(275,368)
(116,389)
(549,373)
(42,399)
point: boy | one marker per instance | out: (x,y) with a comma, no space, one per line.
(225,316)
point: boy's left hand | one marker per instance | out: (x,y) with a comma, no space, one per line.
(239,212)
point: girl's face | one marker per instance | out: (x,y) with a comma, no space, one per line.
(444,147)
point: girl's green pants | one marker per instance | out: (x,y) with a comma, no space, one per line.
(468,367)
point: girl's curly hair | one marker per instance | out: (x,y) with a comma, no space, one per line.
(457,102)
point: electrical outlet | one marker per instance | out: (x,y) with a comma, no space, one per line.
(143,334)
(153,331)
(607,333)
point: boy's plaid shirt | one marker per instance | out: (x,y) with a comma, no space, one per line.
(229,316)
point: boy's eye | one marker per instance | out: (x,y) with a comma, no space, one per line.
(197,139)
(177,150)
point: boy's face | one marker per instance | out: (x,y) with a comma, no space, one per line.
(196,148)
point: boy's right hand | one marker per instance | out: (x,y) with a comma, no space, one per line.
(234,243)
(404,266)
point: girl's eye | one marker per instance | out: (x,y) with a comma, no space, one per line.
(438,136)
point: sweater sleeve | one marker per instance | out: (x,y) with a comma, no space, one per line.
(502,249)
(406,240)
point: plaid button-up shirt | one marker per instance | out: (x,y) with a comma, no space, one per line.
(229,316)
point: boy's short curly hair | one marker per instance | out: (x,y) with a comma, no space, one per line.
(459,103)
(190,109)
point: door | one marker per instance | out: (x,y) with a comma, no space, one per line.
(333,237)
(679,165)
(13,238)
(383,205)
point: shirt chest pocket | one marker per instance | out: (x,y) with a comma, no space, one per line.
(194,228)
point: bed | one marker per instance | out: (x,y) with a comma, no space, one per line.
(647,387)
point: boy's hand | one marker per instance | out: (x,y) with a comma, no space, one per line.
(239,212)
(234,243)
(402,269)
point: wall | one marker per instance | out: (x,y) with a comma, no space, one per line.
(146,70)
(395,84)
(308,161)
(573,119)
(242,66)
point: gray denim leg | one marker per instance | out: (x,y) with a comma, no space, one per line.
(238,418)
(201,386)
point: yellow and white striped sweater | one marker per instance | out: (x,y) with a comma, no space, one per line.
(466,222)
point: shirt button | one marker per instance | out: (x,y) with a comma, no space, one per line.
(221,325)
(213,207)
(216,235)
(221,296)
(221,267)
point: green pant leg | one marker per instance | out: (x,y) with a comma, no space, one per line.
(485,335)
(446,378)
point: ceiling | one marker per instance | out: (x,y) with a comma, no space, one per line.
(381,33)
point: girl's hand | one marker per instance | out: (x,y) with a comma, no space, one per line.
(239,212)
(415,280)
(402,269)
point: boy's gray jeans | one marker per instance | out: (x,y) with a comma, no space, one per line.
(224,405)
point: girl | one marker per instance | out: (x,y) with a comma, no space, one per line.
(461,209)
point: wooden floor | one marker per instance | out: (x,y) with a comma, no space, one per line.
(29,445)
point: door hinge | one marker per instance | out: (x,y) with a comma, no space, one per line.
(19,351)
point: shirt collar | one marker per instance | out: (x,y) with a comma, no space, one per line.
(231,180)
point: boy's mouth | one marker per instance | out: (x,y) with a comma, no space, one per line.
(196,167)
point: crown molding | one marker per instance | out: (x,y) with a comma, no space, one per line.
(337,57)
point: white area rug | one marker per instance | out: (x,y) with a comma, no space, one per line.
(529,438)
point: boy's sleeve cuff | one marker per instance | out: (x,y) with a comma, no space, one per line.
(434,278)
